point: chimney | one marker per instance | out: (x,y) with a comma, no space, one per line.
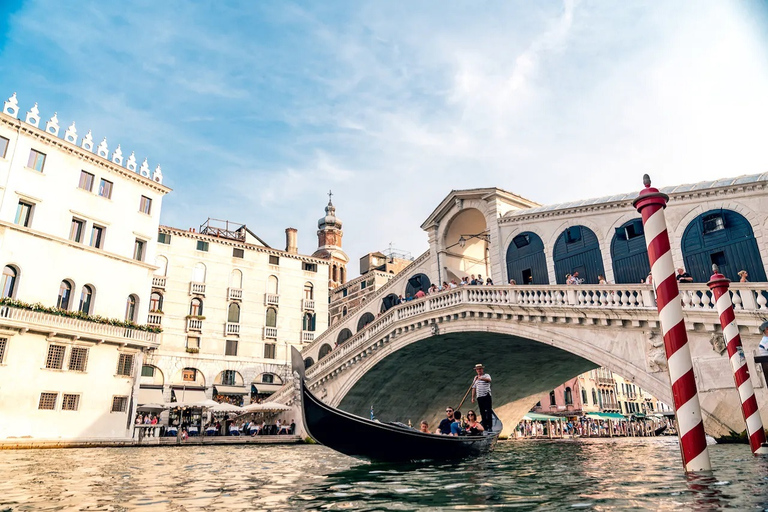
(291,240)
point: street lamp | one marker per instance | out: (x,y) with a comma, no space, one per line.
(482,236)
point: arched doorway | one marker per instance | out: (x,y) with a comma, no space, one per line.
(324,351)
(629,254)
(343,336)
(465,246)
(364,320)
(725,238)
(416,283)
(526,261)
(388,301)
(577,249)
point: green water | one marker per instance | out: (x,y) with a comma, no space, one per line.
(589,474)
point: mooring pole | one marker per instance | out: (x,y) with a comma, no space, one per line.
(693,443)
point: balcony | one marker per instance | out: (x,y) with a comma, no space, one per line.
(196,288)
(271,299)
(604,381)
(308,304)
(270,333)
(158,282)
(194,325)
(32,320)
(234,294)
(154,319)
(307,336)
(232,329)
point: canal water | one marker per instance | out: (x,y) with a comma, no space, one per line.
(583,474)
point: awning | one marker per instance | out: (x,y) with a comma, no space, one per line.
(230,390)
(267,407)
(150,396)
(533,416)
(189,396)
(267,388)
(607,416)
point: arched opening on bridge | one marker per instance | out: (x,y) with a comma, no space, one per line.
(526,261)
(308,362)
(344,335)
(325,349)
(577,249)
(416,283)
(629,253)
(723,237)
(388,301)
(465,246)
(364,320)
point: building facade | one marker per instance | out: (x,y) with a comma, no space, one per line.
(77,244)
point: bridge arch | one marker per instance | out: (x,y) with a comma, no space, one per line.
(415,283)
(724,237)
(577,249)
(629,254)
(364,320)
(325,349)
(388,302)
(465,244)
(343,336)
(526,260)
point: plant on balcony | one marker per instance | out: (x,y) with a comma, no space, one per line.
(196,317)
(79,315)
(156,311)
(193,350)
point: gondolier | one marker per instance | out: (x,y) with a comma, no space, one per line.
(481,390)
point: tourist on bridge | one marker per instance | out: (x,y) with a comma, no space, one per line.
(481,390)
(743,276)
(683,276)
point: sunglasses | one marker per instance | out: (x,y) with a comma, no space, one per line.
(449,410)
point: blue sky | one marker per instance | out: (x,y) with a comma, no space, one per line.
(255,109)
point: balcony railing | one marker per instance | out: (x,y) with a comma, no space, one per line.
(271,299)
(307,336)
(234,294)
(270,333)
(232,329)
(194,324)
(158,282)
(154,319)
(196,288)
(308,304)
(25,319)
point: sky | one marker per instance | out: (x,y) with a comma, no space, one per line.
(255,110)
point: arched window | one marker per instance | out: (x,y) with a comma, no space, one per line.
(552,398)
(236,279)
(594,397)
(344,335)
(198,273)
(65,294)
(308,324)
(272,285)
(308,362)
(86,294)
(196,307)
(162,263)
(365,319)
(233,313)
(568,396)
(309,291)
(155,302)
(584,396)
(335,274)
(271,317)
(343,274)
(324,351)
(344,311)
(10,276)
(131,308)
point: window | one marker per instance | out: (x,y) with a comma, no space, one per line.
(85,300)
(47,401)
(65,292)
(36,160)
(119,403)
(594,397)
(164,238)
(568,396)
(344,292)
(105,188)
(189,375)
(269,350)
(86,181)
(309,291)
(125,365)
(196,307)
(3,146)
(634,230)
(309,267)
(145,205)
(344,310)
(8,282)
(231,348)
(228,377)
(268,378)
(147,371)
(572,234)
(713,222)
(70,402)
(718,258)
(3,344)
(24,214)
(202,246)
(138,249)
(271,317)
(522,240)
(308,322)
(362,285)
(55,359)
(78,359)
(274,260)
(155,303)
(233,313)
(131,307)
(583,396)
(238,253)
(76,230)
(552,400)
(97,237)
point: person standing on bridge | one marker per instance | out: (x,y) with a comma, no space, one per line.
(481,390)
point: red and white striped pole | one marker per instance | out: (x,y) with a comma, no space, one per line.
(690,427)
(719,285)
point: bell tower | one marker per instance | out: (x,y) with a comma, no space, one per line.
(329,236)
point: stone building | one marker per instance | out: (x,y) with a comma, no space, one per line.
(78,229)
(329,236)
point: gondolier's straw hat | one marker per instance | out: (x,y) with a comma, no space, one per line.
(479,365)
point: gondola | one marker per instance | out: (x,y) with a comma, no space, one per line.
(660,430)
(382,442)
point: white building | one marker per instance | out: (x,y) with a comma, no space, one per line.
(77,235)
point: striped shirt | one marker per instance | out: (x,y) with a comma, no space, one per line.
(482,388)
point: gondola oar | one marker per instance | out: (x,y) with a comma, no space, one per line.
(465,396)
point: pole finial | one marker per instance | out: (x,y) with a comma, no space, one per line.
(330,196)
(646,180)
(715,268)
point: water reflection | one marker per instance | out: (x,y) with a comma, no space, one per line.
(591,474)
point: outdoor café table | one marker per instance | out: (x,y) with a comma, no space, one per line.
(171,432)
(210,431)
(193,431)
(234,431)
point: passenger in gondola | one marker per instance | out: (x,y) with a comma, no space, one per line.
(456,426)
(425,427)
(474,428)
(445,424)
